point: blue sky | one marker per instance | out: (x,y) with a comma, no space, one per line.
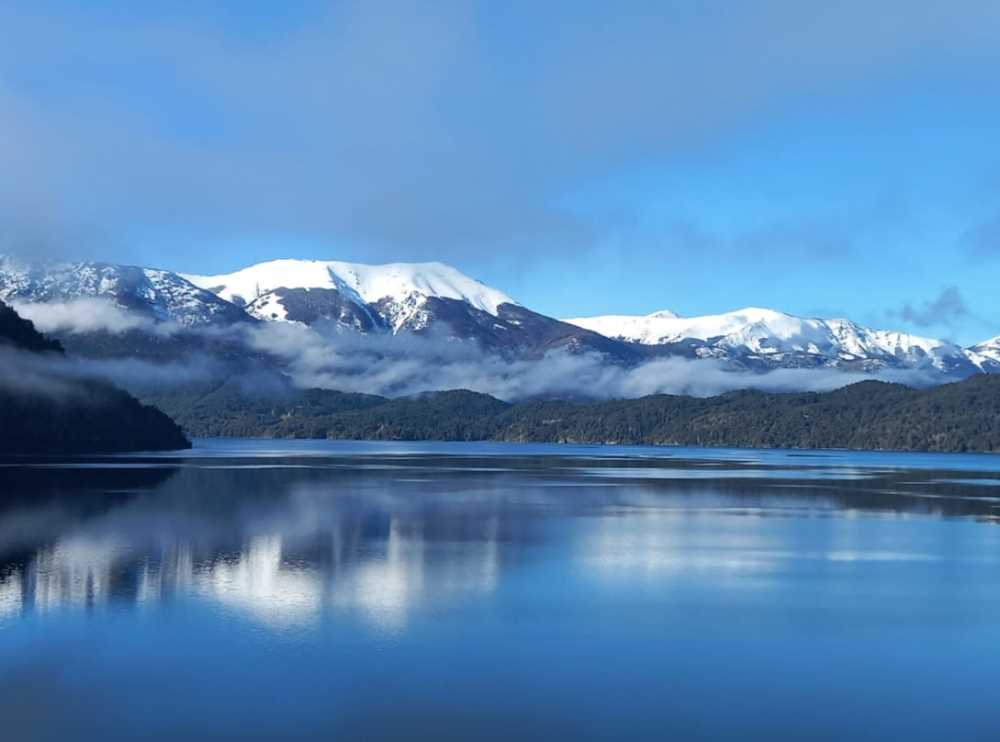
(585,157)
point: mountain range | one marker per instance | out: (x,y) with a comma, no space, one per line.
(783,340)
(400,299)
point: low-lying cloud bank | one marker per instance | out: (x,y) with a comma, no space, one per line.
(58,377)
(89,314)
(401,365)
(34,374)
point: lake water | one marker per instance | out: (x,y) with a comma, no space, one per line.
(312,590)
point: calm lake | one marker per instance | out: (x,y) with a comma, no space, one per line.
(313,590)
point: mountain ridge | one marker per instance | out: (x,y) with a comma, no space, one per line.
(768,333)
(423,298)
(158,295)
(401,287)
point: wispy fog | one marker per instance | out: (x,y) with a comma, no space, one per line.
(395,365)
(402,365)
(27,373)
(88,314)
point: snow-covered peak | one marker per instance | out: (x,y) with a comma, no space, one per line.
(159,294)
(992,343)
(986,355)
(769,333)
(664,314)
(667,327)
(397,282)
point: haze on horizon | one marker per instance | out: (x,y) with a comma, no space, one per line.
(822,159)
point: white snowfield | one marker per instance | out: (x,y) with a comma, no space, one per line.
(768,332)
(986,351)
(398,282)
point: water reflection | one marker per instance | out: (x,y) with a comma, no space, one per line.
(11,595)
(284,541)
(276,550)
(718,544)
(261,584)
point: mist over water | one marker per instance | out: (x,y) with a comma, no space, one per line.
(392,591)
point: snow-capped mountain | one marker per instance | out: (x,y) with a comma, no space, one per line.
(649,329)
(370,299)
(776,339)
(393,296)
(157,294)
(986,355)
(401,297)
(435,298)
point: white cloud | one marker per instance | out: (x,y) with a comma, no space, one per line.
(87,315)
(403,365)
(407,364)
(414,125)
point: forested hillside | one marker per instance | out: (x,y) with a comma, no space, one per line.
(963,416)
(46,409)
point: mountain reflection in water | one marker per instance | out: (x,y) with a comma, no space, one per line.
(355,551)
(281,541)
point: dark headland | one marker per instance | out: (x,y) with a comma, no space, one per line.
(47,408)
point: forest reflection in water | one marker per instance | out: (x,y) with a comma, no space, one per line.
(283,539)
(364,591)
